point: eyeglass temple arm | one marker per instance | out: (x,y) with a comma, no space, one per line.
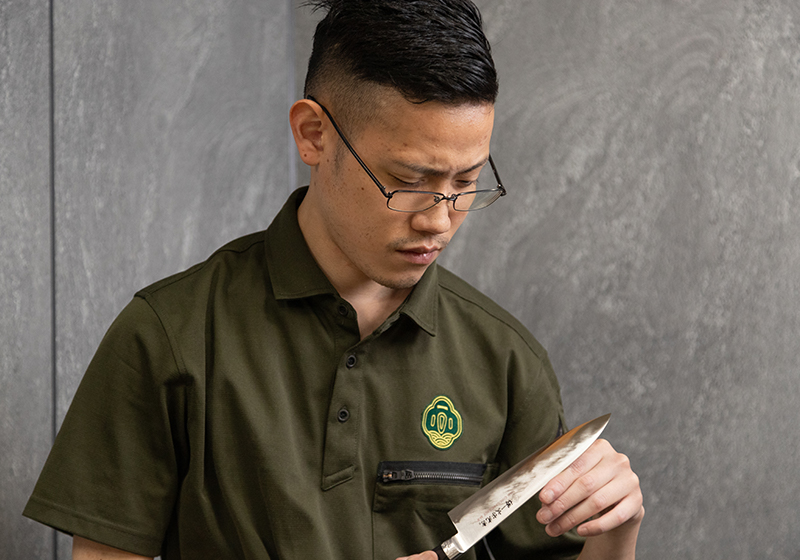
(497,176)
(350,147)
(364,166)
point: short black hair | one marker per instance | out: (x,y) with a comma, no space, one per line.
(427,50)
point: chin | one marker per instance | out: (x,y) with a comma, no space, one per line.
(398,283)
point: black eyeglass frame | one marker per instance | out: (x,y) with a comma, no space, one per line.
(437,196)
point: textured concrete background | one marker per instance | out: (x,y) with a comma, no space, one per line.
(649,240)
(26,391)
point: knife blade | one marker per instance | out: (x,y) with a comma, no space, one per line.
(476,516)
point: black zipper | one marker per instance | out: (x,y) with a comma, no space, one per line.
(431,472)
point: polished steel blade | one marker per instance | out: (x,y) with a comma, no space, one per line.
(489,506)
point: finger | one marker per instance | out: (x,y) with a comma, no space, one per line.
(609,482)
(584,485)
(428,555)
(604,500)
(628,509)
(583,464)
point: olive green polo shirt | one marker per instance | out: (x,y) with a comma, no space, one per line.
(232,411)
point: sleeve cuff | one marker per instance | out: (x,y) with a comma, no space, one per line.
(72,523)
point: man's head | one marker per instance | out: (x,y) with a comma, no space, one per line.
(426,50)
(412,85)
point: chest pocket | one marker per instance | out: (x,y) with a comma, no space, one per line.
(411,501)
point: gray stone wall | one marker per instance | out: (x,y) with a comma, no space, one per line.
(26,306)
(649,240)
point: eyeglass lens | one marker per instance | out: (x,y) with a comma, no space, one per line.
(475,195)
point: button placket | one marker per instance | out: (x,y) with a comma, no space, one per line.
(341,440)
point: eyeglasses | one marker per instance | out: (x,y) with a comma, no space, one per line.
(403,200)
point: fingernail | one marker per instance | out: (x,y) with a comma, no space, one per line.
(546,496)
(553,530)
(545,516)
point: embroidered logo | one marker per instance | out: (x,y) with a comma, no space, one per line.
(441,422)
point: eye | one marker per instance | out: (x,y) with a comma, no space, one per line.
(467,184)
(408,184)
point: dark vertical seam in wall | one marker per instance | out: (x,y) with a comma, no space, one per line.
(290,56)
(53,325)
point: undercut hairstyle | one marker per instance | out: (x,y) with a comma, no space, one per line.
(426,50)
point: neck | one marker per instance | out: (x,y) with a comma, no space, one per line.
(374,306)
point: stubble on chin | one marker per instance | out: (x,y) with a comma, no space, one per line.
(411,279)
(401,282)
(398,284)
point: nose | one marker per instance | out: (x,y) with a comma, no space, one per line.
(435,220)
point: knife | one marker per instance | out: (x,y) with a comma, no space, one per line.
(489,506)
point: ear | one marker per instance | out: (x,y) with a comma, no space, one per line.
(307,123)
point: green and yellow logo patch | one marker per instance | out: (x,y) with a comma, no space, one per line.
(441,423)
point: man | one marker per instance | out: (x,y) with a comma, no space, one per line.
(272,401)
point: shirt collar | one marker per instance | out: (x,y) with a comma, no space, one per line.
(422,305)
(292,269)
(295,274)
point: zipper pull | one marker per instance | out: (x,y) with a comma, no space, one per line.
(398,476)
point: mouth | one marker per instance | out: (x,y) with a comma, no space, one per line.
(422,255)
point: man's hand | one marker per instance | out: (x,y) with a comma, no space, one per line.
(600,495)
(424,556)
(84,549)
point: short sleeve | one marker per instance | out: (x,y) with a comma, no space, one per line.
(112,475)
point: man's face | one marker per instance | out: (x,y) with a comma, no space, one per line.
(428,146)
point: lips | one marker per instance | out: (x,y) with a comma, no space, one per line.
(421,255)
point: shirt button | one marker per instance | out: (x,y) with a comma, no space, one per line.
(342,309)
(351,361)
(343,415)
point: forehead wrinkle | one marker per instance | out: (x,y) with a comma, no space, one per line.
(433,172)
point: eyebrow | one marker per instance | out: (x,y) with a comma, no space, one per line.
(432,172)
